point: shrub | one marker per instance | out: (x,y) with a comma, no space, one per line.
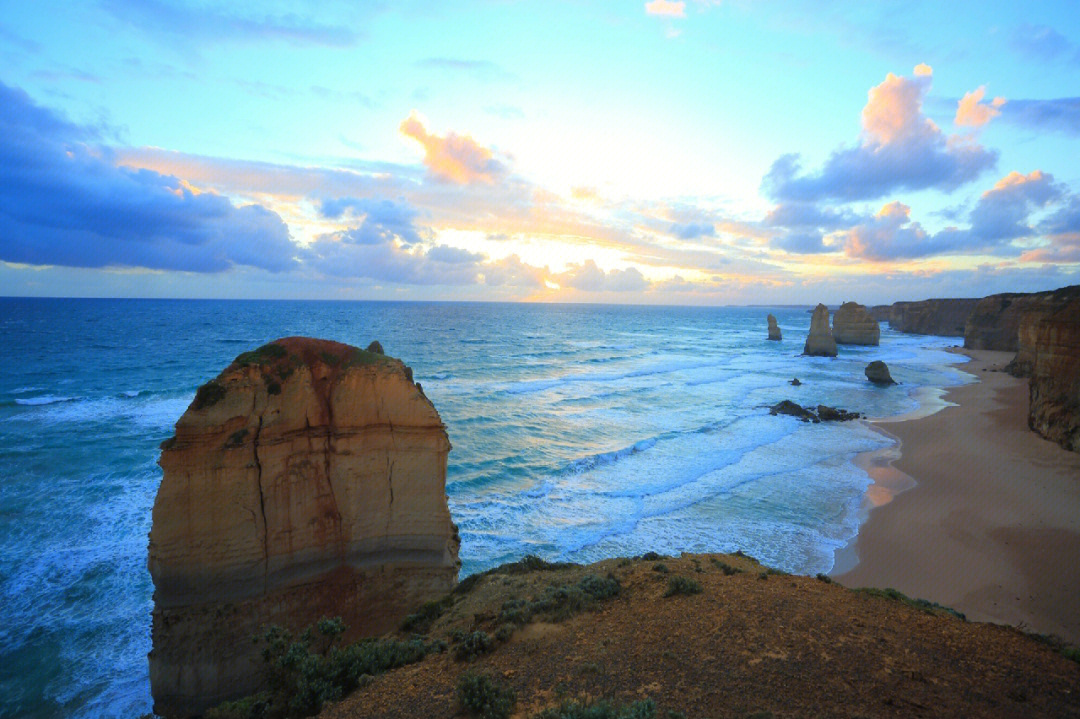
(660,567)
(426,615)
(682,585)
(473,645)
(263,355)
(651,556)
(481,696)
(208,395)
(824,578)
(724,567)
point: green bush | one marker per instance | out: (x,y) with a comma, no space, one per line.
(482,697)
(473,645)
(426,615)
(660,567)
(824,578)
(208,395)
(682,585)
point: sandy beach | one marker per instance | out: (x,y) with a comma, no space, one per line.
(975,511)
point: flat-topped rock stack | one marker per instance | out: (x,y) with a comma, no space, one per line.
(854,325)
(820,342)
(306,481)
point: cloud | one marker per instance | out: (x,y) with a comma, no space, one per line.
(588,277)
(971,111)
(692,230)
(372,252)
(1000,216)
(1043,43)
(454,158)
(666,8)
(512,272)
(64,202)
(227,23)
(1059,114)
(900,148)
(384,218)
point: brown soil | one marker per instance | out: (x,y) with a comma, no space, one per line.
(750,644)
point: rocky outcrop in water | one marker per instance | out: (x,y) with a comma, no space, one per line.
(774,329)
(854,325)
(820,341)
(878,373)
(941,317)
(307,480)
(824,412)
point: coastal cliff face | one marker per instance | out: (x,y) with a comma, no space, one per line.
(1007,322)
(854,325)
(941,317)
(307,480)
(1054,409)
(820,341)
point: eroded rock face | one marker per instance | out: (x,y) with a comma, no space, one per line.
(940,317)
(774,329)
(820,342)
(854,325)
(1007,322)
(1054,409)
(306,481)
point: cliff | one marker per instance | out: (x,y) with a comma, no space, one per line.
(996,320)
(1054,407)
(306,480)
(820,341)
(854,325)
(941,317)
(707,636)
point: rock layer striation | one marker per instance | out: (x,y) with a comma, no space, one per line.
(820,341)
(941,317)
(854,325)
(307,480)
(1054,408)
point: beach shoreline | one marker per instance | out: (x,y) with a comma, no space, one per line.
(972,510)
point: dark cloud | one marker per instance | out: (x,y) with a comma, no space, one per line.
(382,219)
(1061,114)
(901,149)
(227,22)
(803,243)
(63,202)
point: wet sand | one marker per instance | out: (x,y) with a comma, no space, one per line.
(974,511)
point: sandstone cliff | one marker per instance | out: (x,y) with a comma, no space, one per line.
(820,341)
(854,325)
(307,480)
(774,329)
(941,317)
(1054,408)
(996,320)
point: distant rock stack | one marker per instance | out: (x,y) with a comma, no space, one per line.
(820,342)
(854,325)
(774,329)
(307,480)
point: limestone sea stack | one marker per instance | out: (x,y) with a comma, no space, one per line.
(307,480)
(854,325)
(820,342)
(774,329)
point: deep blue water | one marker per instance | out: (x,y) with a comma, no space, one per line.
(579,432)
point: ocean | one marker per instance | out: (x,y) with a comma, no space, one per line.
(579,432)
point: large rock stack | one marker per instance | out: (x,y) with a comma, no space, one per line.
(306,481)
(774,329)
(854,325)
(820,342)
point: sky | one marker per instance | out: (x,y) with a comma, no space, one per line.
(662,152)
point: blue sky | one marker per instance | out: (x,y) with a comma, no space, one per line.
(646,152)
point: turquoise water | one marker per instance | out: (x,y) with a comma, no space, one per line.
(579,432)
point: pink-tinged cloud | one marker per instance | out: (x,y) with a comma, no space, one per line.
(666,8)
(454,158)
(971,111)
(900,149)
(887,235)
